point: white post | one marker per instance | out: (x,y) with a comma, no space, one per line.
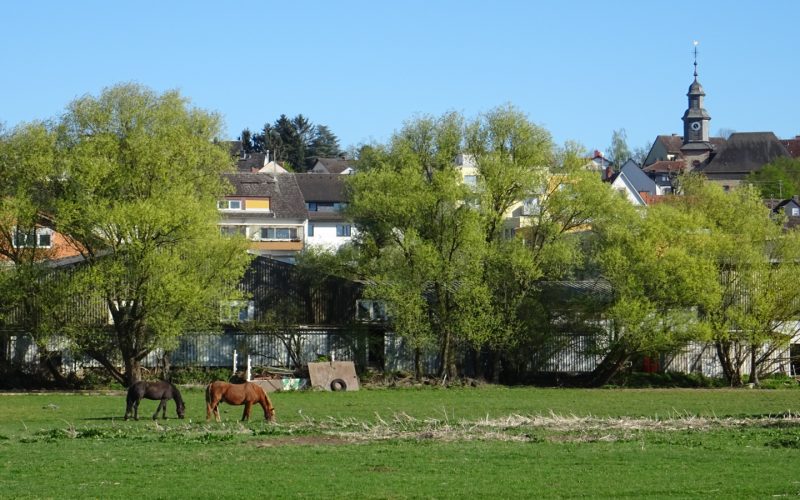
(247,377)
(234,362)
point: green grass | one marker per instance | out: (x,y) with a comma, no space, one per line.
(410,443)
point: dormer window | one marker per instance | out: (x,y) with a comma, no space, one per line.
(795,212)
(229,204)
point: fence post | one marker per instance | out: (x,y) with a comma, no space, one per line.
(234,362)
(247,377)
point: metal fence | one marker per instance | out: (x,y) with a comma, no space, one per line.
(575,354)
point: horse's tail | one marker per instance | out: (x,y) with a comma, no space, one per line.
(131,396)
(208,394)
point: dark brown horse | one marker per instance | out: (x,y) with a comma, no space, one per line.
(154,390)
(237,394)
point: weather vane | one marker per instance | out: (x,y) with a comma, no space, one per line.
(695,43)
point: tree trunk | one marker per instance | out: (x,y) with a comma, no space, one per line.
(418,364)
(166,367)
(753,379)
(610,366)
(730,364)
(444,354)
(109,366)
(48,360)
(133,371)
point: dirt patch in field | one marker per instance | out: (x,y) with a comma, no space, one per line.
(321,440)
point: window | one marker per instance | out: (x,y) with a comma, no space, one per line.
(233,230)
(311,229)
(324,206)
(236,311)
(370,310)
(530,206)
(40,238)
(278,233)
(229,204)
(795,211)
(471,180)
(342,229)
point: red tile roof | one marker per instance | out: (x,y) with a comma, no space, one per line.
(792,146)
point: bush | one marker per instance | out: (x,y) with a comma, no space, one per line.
(199,375)
(779,381)
(667,379)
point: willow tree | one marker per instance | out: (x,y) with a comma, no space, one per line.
(661,273)
(422,242)
(437,247)
(28,292)
(140,175)
(756,265)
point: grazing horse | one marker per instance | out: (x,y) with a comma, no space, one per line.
(237,394)
(154,390)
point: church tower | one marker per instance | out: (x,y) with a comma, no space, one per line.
(696,145)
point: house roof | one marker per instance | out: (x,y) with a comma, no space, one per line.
(640,180)
(321,187)
(622,180)
(792,146)
(598,288)
(233,147)
(664,166)
(673,143)
(745,152)
(286,200)
(333,165)
(783,203)
(251,161)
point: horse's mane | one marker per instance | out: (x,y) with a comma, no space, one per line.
(177,394)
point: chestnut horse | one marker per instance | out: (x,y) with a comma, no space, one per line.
(237,394)
(160,390)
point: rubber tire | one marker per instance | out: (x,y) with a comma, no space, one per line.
(338,385)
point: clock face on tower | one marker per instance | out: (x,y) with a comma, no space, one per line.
(695,126)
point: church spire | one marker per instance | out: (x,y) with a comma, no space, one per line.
(696,118)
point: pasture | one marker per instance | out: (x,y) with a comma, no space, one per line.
(492,442)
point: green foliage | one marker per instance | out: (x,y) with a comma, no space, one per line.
(779,179)
(139,174)
(755,263)
(667,379)
(618,152)
(296,142)
(659,267)
(198,375)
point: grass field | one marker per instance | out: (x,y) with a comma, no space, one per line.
(490,442)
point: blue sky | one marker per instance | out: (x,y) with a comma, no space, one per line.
(580,69)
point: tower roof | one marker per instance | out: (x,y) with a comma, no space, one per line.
(695,88)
